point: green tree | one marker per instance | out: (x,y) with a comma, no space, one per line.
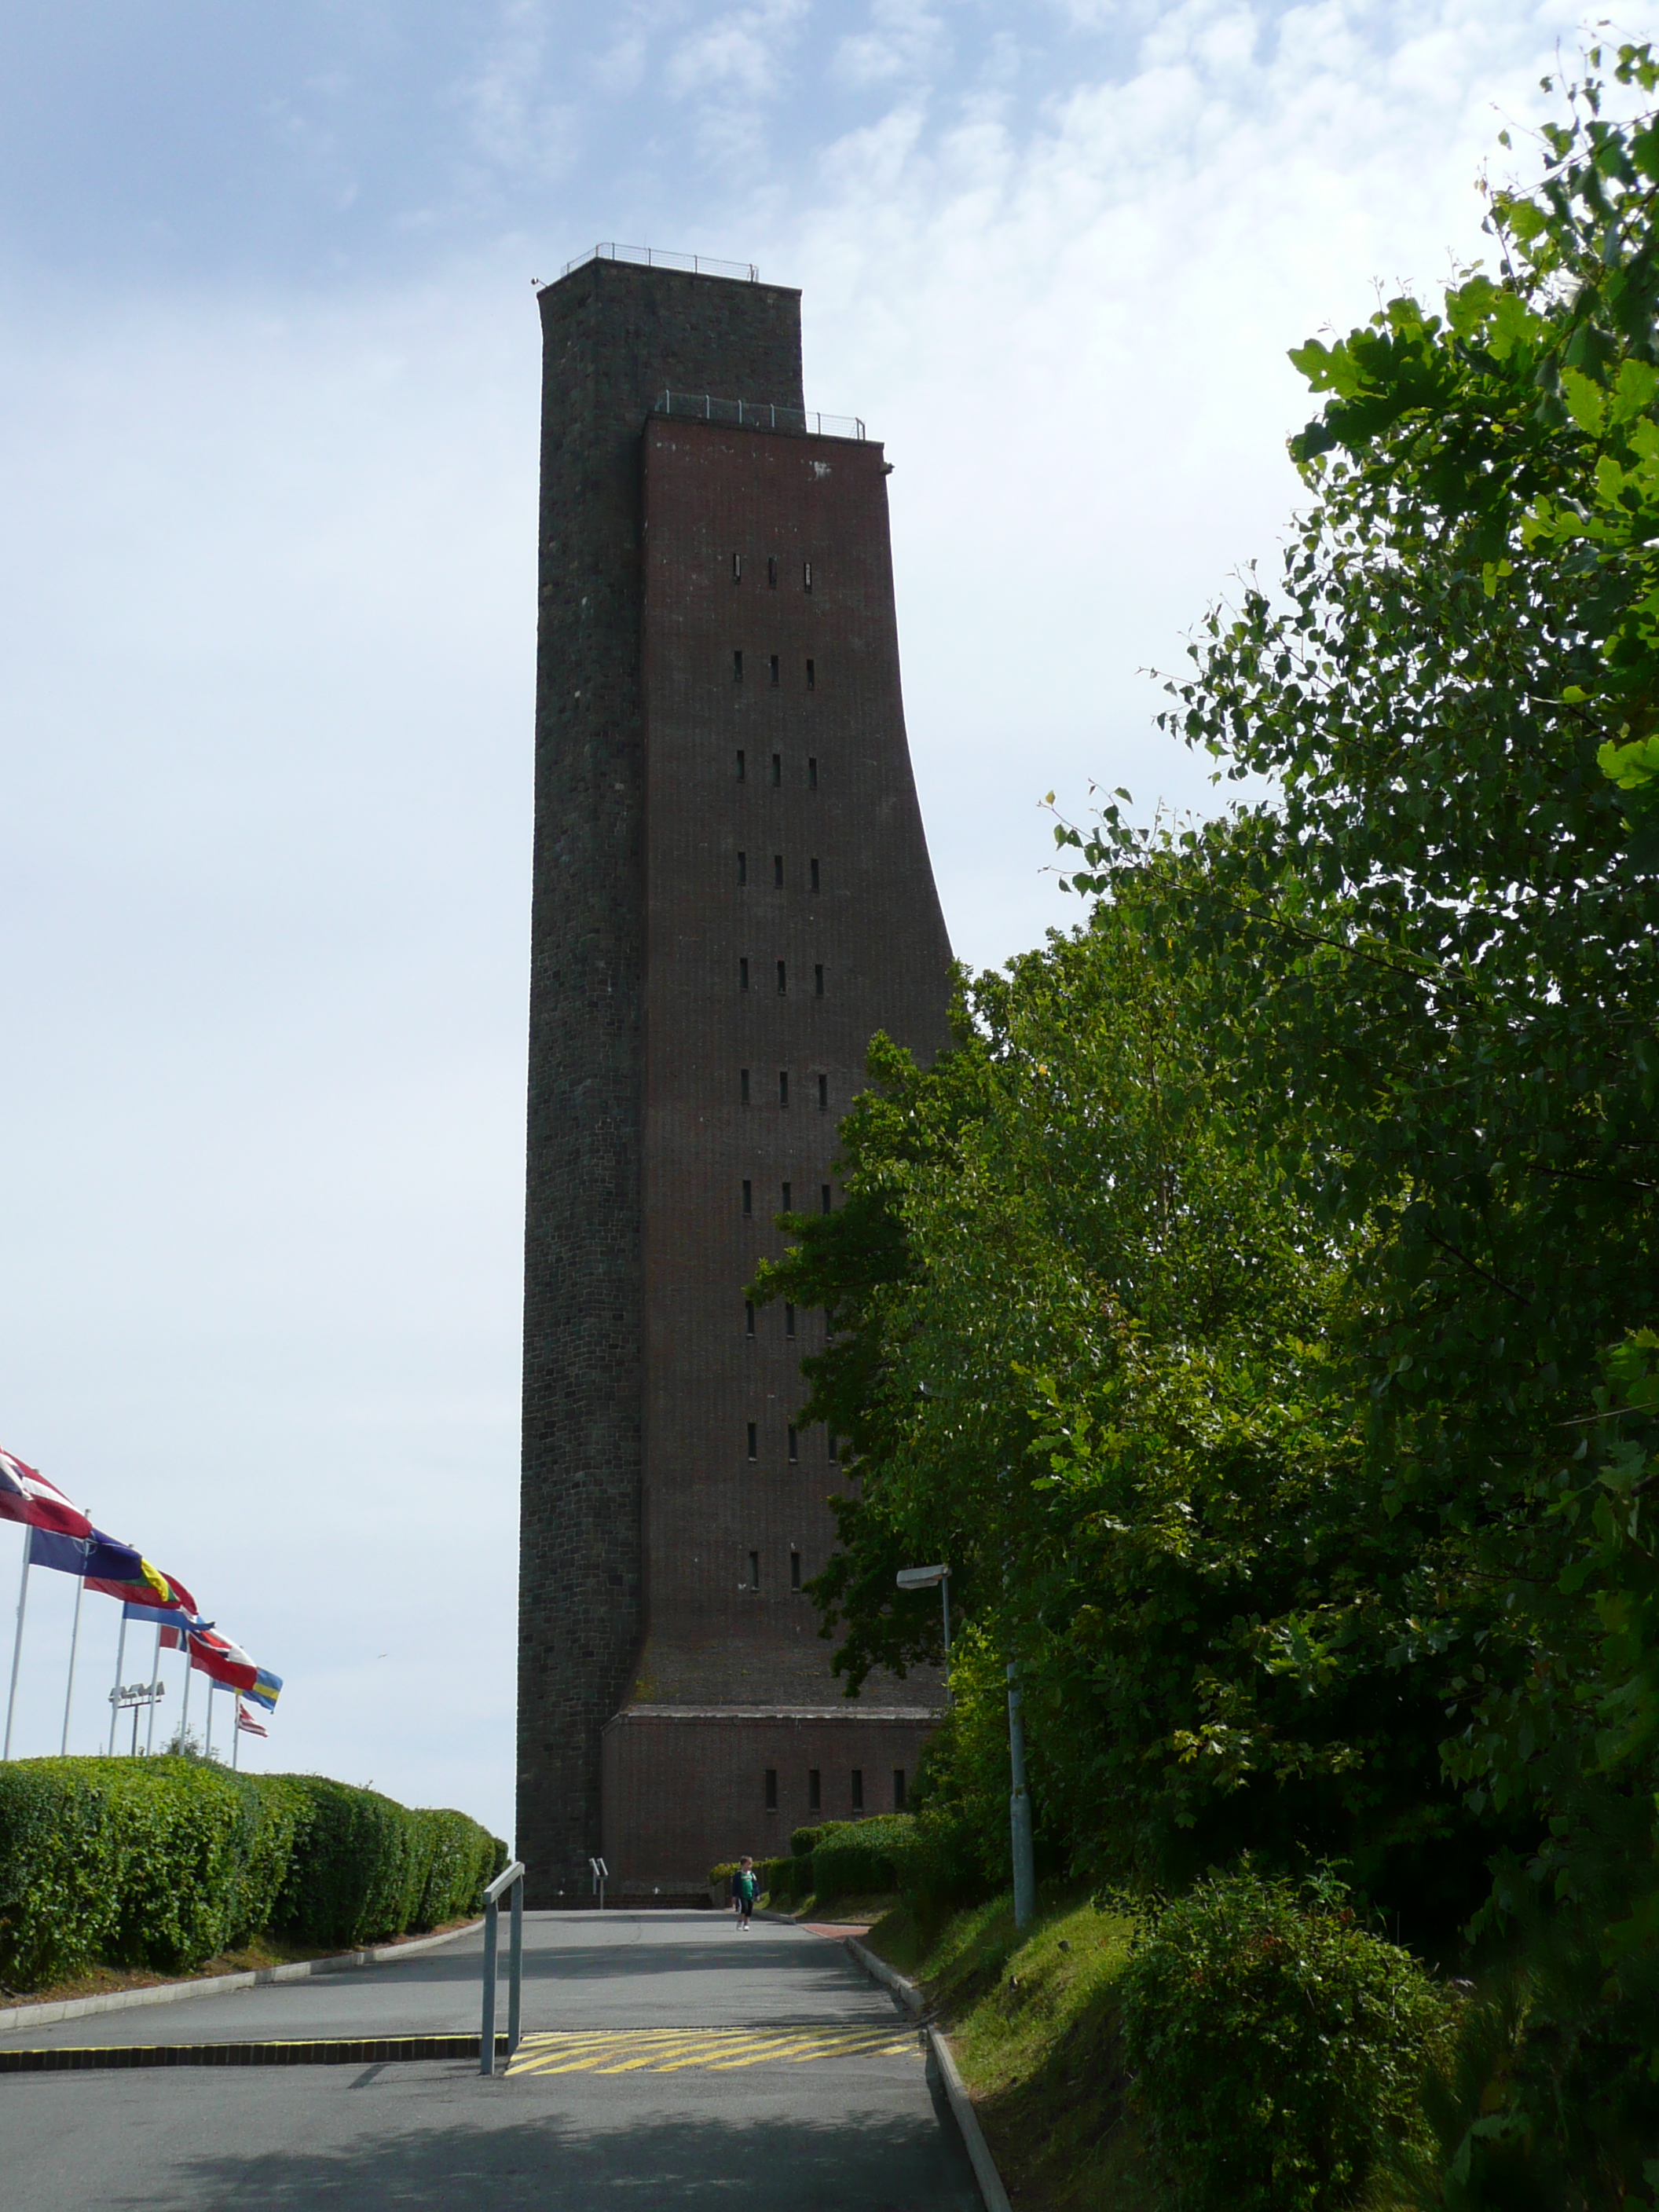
(1430,965)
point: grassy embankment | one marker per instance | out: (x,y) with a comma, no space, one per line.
(1033,2022)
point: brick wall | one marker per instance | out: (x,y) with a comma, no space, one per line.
(658,1557)
(613,337)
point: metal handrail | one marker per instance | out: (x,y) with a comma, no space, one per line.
(653,257)
(757,414)
(513,1879)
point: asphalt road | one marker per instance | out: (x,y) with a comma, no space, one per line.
(815,2098)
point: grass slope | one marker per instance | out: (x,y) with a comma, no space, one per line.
(1033,2021)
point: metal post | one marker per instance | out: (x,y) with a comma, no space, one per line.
(514,1966)
(134,1752)
(155,1677)
(184,1715)
(487,2033)
(236,1732)
(69,1689)
(1019,1809)
(207,1748)
(115,1694)
(944,1593)
(17,1644)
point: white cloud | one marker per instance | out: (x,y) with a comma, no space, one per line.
(905,40)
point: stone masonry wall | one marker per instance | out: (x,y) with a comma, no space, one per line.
(613,337)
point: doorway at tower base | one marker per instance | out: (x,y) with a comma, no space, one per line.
(686,1787)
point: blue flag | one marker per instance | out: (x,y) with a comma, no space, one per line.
(95,1555)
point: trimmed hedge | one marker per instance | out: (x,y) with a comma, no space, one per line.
(162,1862)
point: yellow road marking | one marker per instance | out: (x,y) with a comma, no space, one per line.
(671,2051)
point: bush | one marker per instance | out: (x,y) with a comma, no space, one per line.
(1278,2046)
(162,1862)
(852,1858)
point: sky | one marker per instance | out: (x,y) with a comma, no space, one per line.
(268,420)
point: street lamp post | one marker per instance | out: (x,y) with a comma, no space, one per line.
(924,1579)
(1019,1808)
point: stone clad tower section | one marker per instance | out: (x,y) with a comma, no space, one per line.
(732,893)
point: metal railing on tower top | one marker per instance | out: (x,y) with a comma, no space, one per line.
(653,257)
(756,415)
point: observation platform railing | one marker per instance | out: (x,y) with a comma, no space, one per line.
(653,257)
(757,414)
(512,1880)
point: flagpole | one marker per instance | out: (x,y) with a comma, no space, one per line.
(207,1748)
(114,1705)
(17,1645)
(184,1715)
(236,1732)
(155,1677)
(74,1637)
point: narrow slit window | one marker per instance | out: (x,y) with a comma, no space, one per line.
(788,1190)
(754,1570)
(743,975)
(777,768)
(742,775)
(814,866)
(806,576)
(814,1790)
(823,1198)
(749,1317)
(789,1330)
(742,1086)
(794,1448)
(783,1086)
(737,665)
(772,570)
(794,1569)
(857,1789)
(742,869)
(898,1788)
(783,977)
(775,672)
(811,673)
(823,1094)
(748,1196)
(811,774)
(777,871)
(737,568)
(771,1780)
(753,1442)
(817,981)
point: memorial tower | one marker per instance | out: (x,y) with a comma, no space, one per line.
(732,893)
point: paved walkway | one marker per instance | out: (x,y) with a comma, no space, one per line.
(787,2083)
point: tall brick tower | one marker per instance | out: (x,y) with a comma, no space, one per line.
(732,893)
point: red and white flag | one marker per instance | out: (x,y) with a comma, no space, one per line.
(26,1496)
(246,1722)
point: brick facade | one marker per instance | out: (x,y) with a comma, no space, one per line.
(659,1559)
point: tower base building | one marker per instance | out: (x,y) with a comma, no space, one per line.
(731,894)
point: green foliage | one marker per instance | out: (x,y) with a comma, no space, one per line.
(1278,2048)
(162,1862)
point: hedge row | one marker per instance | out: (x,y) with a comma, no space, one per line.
(162,1862)
(853,1859)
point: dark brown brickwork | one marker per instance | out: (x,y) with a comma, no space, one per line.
(684,1791)
(645,1522)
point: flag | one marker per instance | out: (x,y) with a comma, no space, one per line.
(26,1496)
(221,1661)
(246,1722)
(165,1617)
(267,1688)
(149,1588)
(112,1568)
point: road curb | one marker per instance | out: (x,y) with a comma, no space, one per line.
(956,2091)
(354,2050)
(906,1991)
(14,2017)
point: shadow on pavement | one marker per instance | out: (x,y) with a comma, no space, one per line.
(876,2163)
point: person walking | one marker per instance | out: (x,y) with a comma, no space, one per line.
(745,1888)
